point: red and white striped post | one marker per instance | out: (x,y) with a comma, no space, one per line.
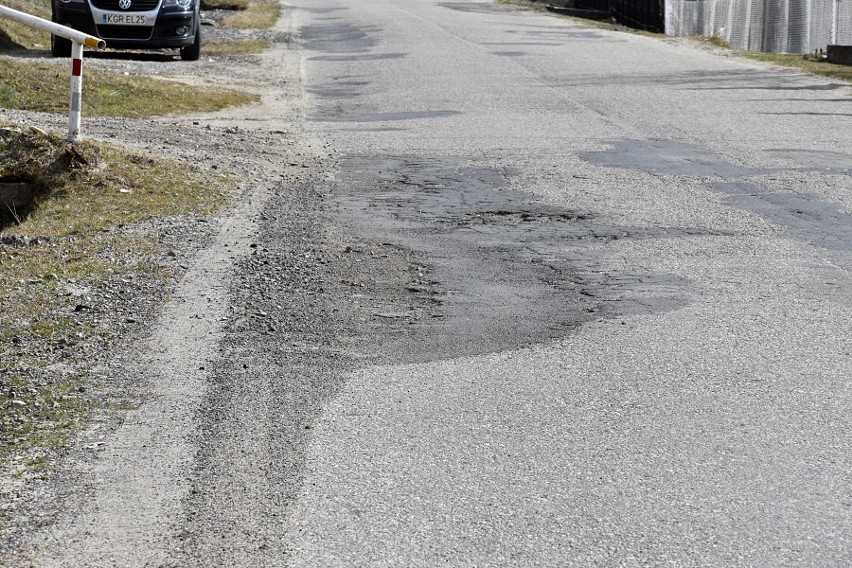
(76,105)
(78,40)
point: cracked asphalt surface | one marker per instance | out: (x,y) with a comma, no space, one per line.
(547,295)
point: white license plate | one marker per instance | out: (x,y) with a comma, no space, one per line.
(125,19)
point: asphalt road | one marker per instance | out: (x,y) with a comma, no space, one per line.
(641,256)
(517,292)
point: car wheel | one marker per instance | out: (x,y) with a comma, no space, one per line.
(59,46)
(192,52)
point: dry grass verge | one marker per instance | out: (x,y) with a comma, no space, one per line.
(14,36)
(803,63)
(81,243)
(259,15)
(224,4)
(44,87)
(806,63)
(235,47)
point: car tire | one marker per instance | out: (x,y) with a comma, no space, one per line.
(192,52)
(59,46)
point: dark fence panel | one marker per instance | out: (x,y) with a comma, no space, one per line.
(595,5)
(640,14)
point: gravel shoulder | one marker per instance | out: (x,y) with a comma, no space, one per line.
(203,404)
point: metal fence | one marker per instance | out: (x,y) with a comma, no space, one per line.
(779,26)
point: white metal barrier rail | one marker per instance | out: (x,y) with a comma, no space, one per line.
(78,40)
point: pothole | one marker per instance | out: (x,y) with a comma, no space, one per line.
(520,217)
(508,270)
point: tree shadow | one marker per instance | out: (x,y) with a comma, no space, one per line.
(8,44)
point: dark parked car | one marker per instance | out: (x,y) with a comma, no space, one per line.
(132,24)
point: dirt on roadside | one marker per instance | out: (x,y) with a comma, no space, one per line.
(261,147)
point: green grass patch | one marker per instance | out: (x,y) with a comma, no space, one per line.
(40,418)
(52,328)
(130,189)
(44,88)
(41,266)
(258,15)
(236,47)
(16,36)
(89,187)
